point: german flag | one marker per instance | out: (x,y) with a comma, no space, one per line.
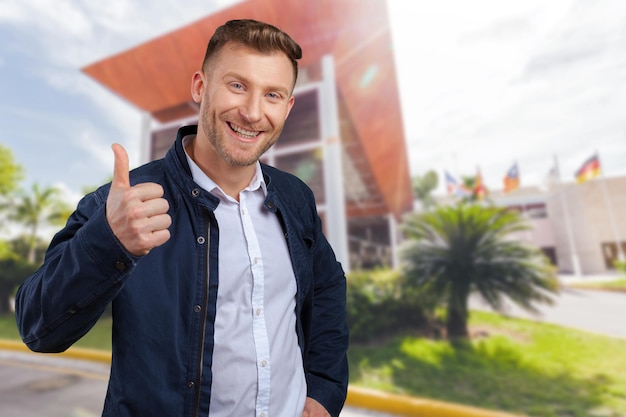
(589,169)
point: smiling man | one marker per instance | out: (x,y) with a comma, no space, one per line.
(245,96)
(227,298)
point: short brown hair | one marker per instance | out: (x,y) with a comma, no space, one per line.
(260,36)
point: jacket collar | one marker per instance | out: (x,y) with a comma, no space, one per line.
(179,172)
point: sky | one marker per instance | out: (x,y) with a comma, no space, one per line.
(482,84)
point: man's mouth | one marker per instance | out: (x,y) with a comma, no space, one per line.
(245,134)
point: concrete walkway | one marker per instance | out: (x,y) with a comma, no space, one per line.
(567,279)
(590,310)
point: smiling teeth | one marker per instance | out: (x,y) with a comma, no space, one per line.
(243,132)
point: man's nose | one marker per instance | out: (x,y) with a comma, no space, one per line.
(252,108)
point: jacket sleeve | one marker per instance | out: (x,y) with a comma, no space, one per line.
(83,270)
(326,361)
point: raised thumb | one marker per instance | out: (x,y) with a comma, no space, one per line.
(120,167)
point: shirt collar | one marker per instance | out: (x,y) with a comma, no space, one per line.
(204,181)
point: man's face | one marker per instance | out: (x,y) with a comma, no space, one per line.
(245,99)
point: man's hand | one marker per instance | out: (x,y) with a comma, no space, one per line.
(314,409)
(137,215)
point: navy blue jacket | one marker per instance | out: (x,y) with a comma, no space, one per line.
(164,306)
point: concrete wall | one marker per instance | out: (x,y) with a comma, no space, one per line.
(590,214)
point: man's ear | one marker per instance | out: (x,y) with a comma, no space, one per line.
(197,86)
(290,103)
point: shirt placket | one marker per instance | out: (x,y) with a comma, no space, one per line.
(259,328)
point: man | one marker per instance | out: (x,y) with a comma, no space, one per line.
(227,299)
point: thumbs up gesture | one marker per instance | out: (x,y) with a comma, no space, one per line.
(137,215)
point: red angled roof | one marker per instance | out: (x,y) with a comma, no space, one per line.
(156,77)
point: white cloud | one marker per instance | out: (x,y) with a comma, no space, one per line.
(67,194)
(72,33)
(58,39)
(482,83)
(489,82)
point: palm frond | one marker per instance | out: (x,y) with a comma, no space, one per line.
(455,250)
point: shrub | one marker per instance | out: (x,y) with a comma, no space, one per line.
(378,306)
(13,271)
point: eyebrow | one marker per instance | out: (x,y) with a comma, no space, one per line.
(282,89)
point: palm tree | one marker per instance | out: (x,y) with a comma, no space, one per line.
(11,173)
(454,251)
(41,207)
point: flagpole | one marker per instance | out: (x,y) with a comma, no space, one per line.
(609,206)
(568,223)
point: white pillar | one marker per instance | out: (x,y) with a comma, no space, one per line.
(568,225)
(145,142)
(336,224)
(393,239)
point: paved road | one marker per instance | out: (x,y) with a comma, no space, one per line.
(51,386)
(601,312)
(37,385)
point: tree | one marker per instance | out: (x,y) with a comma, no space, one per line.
(423,187)
(455,251)
(5,249)
(11,173)
(13,271)
(21,246)
(42,207)
(478,190)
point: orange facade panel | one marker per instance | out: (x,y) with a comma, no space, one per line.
(156,75)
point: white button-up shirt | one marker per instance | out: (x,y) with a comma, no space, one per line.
(257,363)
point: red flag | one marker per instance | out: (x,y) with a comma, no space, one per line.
(479,187)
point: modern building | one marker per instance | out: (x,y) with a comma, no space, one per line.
(581,227)
(344,136)
(589,223)
(531,203)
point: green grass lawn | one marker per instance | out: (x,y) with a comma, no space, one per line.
(98,338)
(516,365)
(513,365)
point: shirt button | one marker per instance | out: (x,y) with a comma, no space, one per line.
(120,266)
(258,311)
(197,308)
(262,415)
(256,260)
(201,240)
(263,363)
(195,192)
(191,384)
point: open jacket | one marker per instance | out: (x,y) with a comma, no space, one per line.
(163,303)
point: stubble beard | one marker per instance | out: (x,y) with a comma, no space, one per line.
(244,156)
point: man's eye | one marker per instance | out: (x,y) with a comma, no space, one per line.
(237,85)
